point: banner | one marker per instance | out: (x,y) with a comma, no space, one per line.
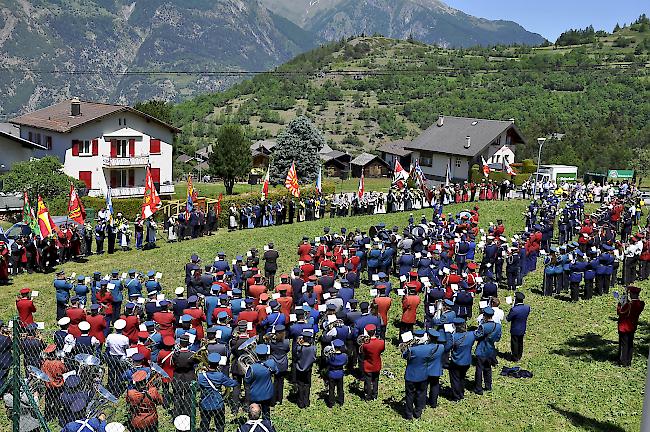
(510,170)
(45,223)
(265,186)
(76,210)
(29,216)
(485,167)
(361,186)
(151,202)
(219,205)
(109,205)
(400,176)
(291,182)
(189,204)
(319,181)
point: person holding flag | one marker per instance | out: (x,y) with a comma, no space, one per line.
(265,186)
(361,190)
(150,205)
(76,210)
(291,183)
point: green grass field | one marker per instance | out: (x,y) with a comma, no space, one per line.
(212,190)
(570,347)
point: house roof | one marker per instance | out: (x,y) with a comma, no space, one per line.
(183,158)
(334,154)
(264,144)
(451,137)
(397,148)
(205,151)
(203,166)
(11,133)
(365,158)
(57,117)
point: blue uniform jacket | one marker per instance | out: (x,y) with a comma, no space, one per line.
(133,286)
(211,303)
(62,288)
(416,363)
(405,263)
(210,384)
(374,256)
(258,377)
(518,317)
(461,349)
(434,365)
(89,425)
(487,334)
(335,364)
(116,292)
(152,285)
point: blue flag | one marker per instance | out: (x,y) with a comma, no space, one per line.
(109,204)
(319,186)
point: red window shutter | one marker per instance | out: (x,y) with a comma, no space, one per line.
(155,175)
(113,148)
(131,177)
(131,147)
(95,147)
(113,179)
(154,146)
(86,177)
(75,147)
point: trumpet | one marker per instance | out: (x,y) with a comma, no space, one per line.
(403,346)
(269,338)
(363,339)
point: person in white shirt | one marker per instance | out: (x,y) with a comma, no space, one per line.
(116,346)
(498,312)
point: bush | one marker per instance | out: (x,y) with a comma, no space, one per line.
(498,176)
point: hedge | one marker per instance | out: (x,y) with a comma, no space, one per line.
(498,176)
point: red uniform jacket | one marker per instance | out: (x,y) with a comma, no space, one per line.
(132,327)
(76,315)
(25,308)
(106,300)
(307,269)
(286,287)
(372,355)
(97,327)
(383,305)
(249,316)
(410,308)
(628,316)
(165,362)
(256,291)
(198,318)
(165,322)
(286,303)
(304,251)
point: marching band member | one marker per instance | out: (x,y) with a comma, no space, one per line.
(25,307)
(371,351)
(211,404)
(258,377)
(487,335)
(628,310)
(142,401)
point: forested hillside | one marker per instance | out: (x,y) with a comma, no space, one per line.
(364,91)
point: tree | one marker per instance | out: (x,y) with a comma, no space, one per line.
(156,108)
(43,177)
(300,142)
(231,155)
(640,163)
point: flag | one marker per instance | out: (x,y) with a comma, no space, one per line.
(319,181)
(448,174)
(291,182)
(151,202)
(400,176)
(76,210)
(189,204)
(109,205)
(219,205)
(265,186)
(486,167)
(421,180)
(361,186)
(510,170)
(27,211)
(45,223)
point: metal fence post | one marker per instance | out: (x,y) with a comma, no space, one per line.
(16,378)
(193,406)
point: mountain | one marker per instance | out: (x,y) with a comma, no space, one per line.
(55,49)
(429,21)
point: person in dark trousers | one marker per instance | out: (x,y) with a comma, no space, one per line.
(336,361)
(270,258)
(487,335)
(305,357)
(518,317)
(628,311)
(461,358)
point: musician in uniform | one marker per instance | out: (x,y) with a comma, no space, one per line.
(436,344)
(416,376)
(256,422)
(270,258)
(258,377)
(371,350)
(95,424)
(336,360)
(25,307)
(184,362)
(211,404)
(54,368)
(62,288)
(304,357)
(142,401)
(518,317)
(74,398)
(116,346)
(279,347)
(410,304)
(628,311)
(487,335)
(460,359)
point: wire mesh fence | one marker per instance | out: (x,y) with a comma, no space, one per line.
(63,383)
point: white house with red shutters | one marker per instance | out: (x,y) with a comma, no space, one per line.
(103,145)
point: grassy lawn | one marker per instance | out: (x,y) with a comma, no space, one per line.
(570,348)
(212,190)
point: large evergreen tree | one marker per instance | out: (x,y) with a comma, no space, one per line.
(300,142)
(231,155)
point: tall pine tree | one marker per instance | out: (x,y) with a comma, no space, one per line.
(300,142)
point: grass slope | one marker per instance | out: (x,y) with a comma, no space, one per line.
(570,347)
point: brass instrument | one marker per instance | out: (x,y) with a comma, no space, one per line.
(36,380)
(90,368)
(329,325)
(248,355)
(440,307)
(202,354)
(100,401)
(363,339)
(269,338)
(403,346)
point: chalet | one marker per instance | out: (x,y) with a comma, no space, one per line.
(183,158)
(396,150)
(203,154)
(14,148)
(502,156)
(335,163)
(105,146)
(371,166)
(261,153)
(459,143)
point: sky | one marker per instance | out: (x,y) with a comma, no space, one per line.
(551,17)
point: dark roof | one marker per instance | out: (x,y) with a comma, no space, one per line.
(11,132)
(184,158)
(263,145)
(334,154)
(396,148)
(365,158)
(57,117)
(203,166)
(451,137)
(10,202)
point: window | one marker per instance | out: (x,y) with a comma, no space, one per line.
(122,148)
(48,142)
(38,139)
(30,137)
(426,159)
(459,163)
(154,146)
(86,177)
(85,148)
(121,178)
(498,141)
(508,140)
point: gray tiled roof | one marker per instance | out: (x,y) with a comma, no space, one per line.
(364,159)
(397,148)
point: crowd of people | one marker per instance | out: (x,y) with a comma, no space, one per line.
(240,328)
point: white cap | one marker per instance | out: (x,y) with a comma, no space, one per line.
(179,290)
(64,321)
(119,324)
(115,427)
(182,423)
(84,326)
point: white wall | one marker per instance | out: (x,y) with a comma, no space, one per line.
(12,152)
(62,148)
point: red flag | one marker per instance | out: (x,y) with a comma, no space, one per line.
(151,202)
(361,186)
(291,182)
(219,204)
(45,222)
(265,186)
(486,167)
(400,176)
(76,210)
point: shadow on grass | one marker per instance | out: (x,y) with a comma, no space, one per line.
(589,347)
(396,405)
(586,423)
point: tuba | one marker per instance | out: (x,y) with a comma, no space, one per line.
(248,356)
(363,339)
(439,309)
